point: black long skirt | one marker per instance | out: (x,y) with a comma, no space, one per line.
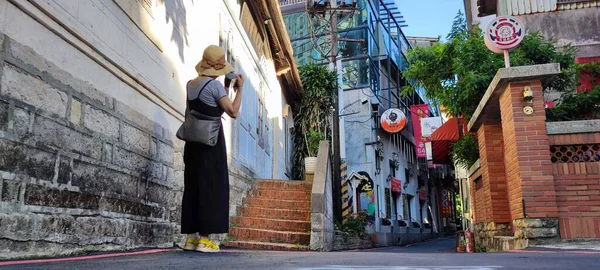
(205,208)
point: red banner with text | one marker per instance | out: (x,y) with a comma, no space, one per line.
(416,113)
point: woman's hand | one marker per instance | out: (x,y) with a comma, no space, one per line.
(239,82)
(233,108)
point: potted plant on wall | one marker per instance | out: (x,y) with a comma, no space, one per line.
(311,116)
(313,137)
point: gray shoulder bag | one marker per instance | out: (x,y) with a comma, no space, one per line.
(199,127)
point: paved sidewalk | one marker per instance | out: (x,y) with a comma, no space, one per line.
(434,255)
(574,245)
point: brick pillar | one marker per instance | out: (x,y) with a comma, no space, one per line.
(527,153)
(493,178)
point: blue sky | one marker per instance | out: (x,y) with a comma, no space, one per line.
(429,18)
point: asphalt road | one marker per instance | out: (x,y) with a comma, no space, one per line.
(432,255)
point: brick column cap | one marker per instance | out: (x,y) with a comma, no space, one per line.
(488,109)
(573,127)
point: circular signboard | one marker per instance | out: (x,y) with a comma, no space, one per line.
(504,33)
(393,120)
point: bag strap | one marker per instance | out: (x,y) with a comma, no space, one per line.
(202,89)
(187,109)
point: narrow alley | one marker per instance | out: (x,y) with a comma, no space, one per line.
(436,254)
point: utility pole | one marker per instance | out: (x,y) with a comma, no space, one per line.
(322,11)
(337,190)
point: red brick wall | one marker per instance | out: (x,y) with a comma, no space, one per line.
(527,155)
(577,186)
(479,204)
(492,195)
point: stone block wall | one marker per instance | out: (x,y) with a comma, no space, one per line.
(80,170)
(344,241)
(538,231)
(484,232)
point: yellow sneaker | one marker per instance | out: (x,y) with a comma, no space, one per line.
(191,244)
(207,246)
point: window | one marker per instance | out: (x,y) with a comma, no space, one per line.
(287,145)
(388,204)
(263,126)
(259,128)
(407,175)
(406,207)
(478,183)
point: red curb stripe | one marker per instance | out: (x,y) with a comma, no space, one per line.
(82,258)
(558,251)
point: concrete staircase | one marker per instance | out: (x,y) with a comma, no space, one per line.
(274,216)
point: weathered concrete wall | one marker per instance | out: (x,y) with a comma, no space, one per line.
(79,169)
(344,241)
(578,27)
(321,212)
(88,159)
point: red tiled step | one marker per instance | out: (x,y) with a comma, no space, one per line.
(277,204)
(276,213)
(260,235)
(284,185)
(271,224)
(266,246)
(280,194)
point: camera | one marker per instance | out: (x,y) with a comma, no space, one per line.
(232,76)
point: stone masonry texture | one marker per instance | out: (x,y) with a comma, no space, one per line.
(80,170)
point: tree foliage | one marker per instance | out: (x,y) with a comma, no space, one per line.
(459,27)
(456,73)
(311,114)
(576,106)
(465,151)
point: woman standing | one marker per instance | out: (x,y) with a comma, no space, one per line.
(205,208)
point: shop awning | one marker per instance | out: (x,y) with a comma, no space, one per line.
(442,139)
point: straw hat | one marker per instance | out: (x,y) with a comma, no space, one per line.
(213,62)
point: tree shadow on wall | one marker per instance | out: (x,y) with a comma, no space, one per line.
(176,13)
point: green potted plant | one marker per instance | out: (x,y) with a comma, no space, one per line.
(311,116)
(313,138)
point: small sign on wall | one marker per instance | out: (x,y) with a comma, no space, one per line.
(393,120)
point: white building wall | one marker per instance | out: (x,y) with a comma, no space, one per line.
(181,28)
(362,157)
(92,92)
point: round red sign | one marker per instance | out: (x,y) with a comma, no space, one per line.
(504,33)
(393,120)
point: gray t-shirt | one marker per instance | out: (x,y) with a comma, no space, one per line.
(211,94)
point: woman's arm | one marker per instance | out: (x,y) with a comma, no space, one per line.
(233,108)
